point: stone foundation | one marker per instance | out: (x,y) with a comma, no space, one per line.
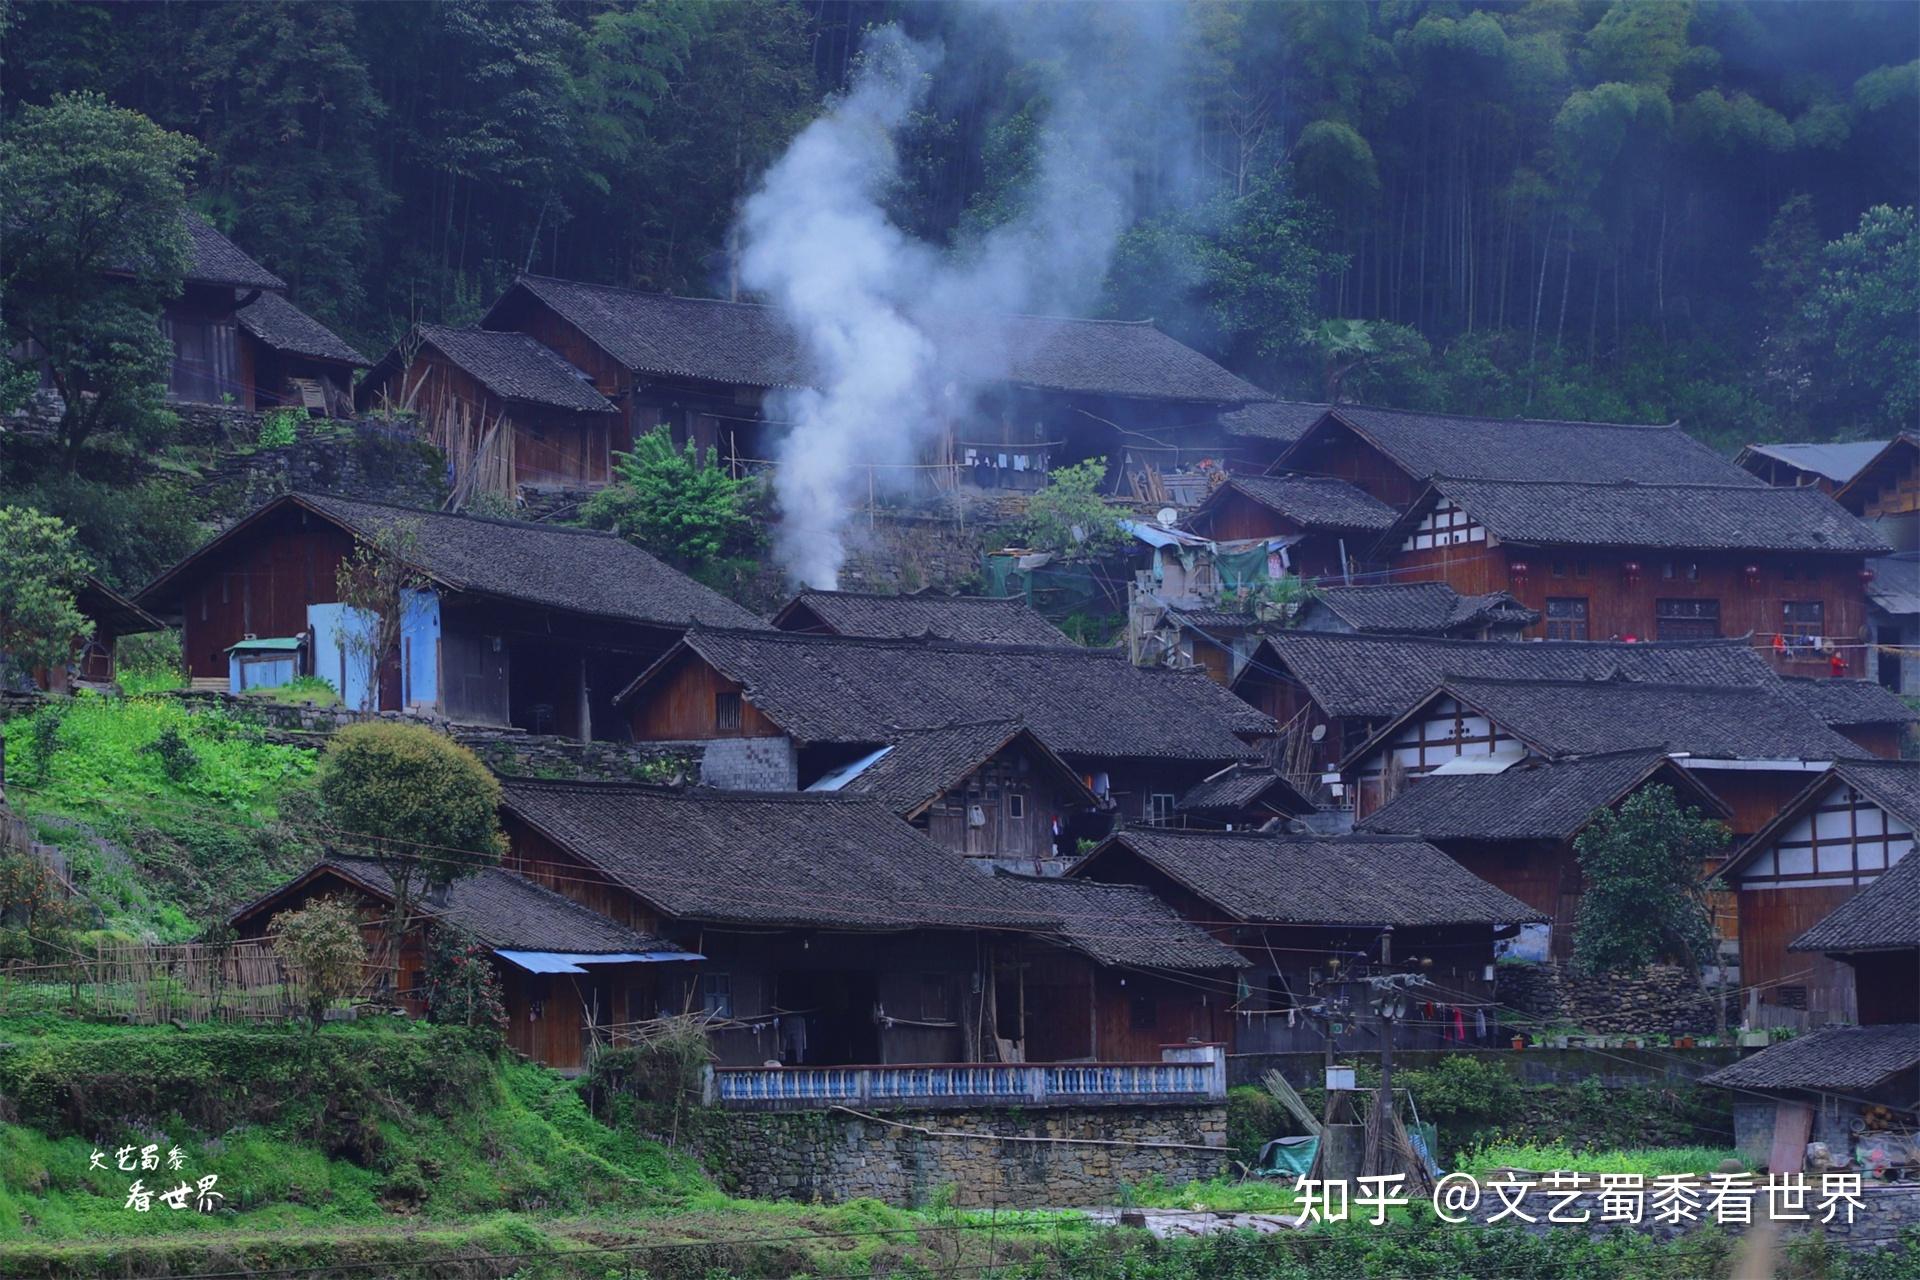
(1665,1000)
(1011,1158)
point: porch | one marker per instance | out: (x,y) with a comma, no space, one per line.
(1186,1074)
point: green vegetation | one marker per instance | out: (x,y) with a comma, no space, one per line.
(39,573)
(160,837)
(321,943)
(1070,518)
(1221,1195)
(1645,900)
(313,690)
(689,512)
(1650,1161)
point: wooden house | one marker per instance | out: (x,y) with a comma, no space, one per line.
(1331,691)
(531,625)
(1839,834)
(1868,713)
(1241,797)
(93,663)
(1516,828)
(1312,914)
(1885,493)
(974,619)
(1826,467)
(1855,1088)
(1258,433)
(1753,746)
(1641,561)
(238,341)
(563,970)
(833,933)
(1328,526)
(1059,390)
(780,710)
(1394,453)
(991,791)
(509,413)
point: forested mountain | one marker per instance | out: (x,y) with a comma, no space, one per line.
(1639,209)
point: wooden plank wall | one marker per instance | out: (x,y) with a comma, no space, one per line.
(261,584)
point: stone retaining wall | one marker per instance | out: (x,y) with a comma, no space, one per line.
(1665,1000)
(367,458)
(1089,1156)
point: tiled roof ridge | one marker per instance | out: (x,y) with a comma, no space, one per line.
(936,597)
(1615,679)
(502,521)
(1477,417)
(1146,321)
(1269,837)
(1440,479)
(922,641)
(1360,637)
(615,786)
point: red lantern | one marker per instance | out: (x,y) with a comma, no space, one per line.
(1519,570)
(1753,575)
(1632,569)
(1866,576)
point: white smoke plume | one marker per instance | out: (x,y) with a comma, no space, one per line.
(899,333)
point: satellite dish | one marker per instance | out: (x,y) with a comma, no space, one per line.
(1166,516)
(1319,732)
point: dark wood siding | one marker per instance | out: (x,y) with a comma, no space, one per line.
(259,585)
(681,705)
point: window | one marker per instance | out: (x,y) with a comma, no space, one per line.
(726,711)
(1016,806)
(716,994)
(1143,1014)
(1686,619)
(1160,807)
(1558,568)
(1566,617)
(1582,567)
(1801,623)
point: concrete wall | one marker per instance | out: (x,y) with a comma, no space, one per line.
(1088,1157)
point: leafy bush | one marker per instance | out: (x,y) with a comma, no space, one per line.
(40,570)
(279,428)
(321,943)
(1070,518)
(37,918)
(1650,1161)
(177,758)
(462,988)
(668,501)
(150,663)
(1253,1119)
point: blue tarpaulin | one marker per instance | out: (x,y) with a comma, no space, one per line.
(571,962)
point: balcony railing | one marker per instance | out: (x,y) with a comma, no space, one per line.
(1189,1074)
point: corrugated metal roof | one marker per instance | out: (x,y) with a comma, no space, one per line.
(1837,462)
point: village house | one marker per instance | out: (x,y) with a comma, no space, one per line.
(833,934)
(94,662)
(1331,691)
(1885,493)
(777,710)
(534,626)
(1314,916)
(563,970)
(508,412)
(1631,560)
(238,341)
(1516,828)
(1241,797)
(1417,609)
(1754,747)
(1326,527)
(1854,1088)
(1063,390)
(1863,711)
(1826,467)
(1257,434)
(974,619)
(1842,832)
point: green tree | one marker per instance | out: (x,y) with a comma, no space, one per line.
(668,501)
(1070,518)
(1867,307)
(40,572)
(462,987)
(322,945)
(38,918)
(1644,895)
(420,804)
(92,244)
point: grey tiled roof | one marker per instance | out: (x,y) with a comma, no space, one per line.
(1849,700)
(218,260)
(1588,717)
(1526,802)
(1689,517)
(1830,1058)
(505,911)
(1376,676)
(765,857)
(284,327)
(1317,502)
(1430,444)
(1239,788)
(749,345)
(1079,702)
(1884,916)
(1281,420)
(1122,925)
(1420,608)
(515,367)
(922,764)
(550,566)
(977,619)
(1345,880)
